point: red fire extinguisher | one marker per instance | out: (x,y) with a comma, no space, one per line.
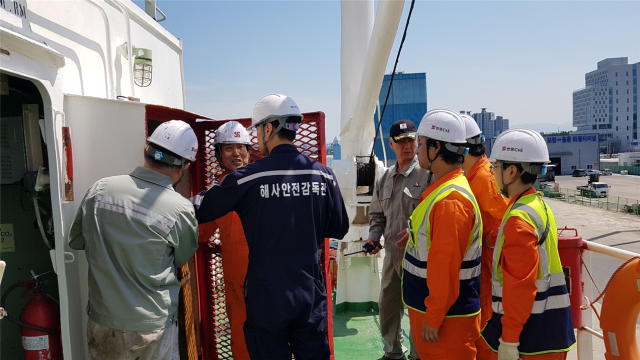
(39,322)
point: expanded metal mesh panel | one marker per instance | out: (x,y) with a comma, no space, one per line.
(217,315)
(308,141)
(216,331)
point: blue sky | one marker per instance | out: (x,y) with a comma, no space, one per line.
(519,59)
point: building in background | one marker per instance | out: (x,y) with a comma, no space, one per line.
(501,124)
(485,121)
(629,159)
(490,124)
(407,100)
(608,105)
(573,151)
(333,149)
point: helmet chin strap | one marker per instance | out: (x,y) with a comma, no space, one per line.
(219,157)
(431,161)
(181,176)
(264,142)
(218,153)
(504,186)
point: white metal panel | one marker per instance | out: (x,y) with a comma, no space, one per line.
(83,48)
(108,138)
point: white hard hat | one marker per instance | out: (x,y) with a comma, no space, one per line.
(520,146)
(232,132)
(472,129)
(178,137)
(277,107)
(443,125)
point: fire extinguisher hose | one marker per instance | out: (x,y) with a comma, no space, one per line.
(18,322)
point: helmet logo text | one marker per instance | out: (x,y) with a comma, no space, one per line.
(505,148)
(438,128)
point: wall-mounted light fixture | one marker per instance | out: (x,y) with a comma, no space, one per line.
(142,67)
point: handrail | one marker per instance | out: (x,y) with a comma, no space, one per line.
(111,87)
(127,20)
(592,332)
(584,341)
(608,250)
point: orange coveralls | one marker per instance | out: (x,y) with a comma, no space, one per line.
(235,260)
(519,263)
(451,219)
(492,207)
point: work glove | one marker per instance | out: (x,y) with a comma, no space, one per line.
(508,351)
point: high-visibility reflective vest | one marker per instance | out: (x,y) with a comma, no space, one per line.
(549,327)
(414,264)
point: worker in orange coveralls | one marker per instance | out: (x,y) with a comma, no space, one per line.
(479,173)
(531,309)
(232,144)
(441,266)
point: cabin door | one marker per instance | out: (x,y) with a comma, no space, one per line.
(94,138)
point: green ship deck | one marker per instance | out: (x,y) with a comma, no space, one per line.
(356,335)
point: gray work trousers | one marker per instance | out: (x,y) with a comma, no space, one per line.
(112,344)
(392,310)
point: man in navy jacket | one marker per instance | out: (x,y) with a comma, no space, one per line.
(288,204)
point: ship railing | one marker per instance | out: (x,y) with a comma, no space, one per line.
(586,333)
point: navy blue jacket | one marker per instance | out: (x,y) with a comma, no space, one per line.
(288,204)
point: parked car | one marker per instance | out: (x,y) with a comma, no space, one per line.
(607,172)
(578,173)
(593,171)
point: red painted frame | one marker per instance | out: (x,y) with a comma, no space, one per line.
(204,256)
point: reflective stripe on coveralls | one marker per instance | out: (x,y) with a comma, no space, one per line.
(548,329)
(492,208)
(292,206)
(414,265)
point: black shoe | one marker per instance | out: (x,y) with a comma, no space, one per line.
(387,358)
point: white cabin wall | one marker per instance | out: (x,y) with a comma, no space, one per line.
(88,33)
(64,47)
(77,30)
(166,86)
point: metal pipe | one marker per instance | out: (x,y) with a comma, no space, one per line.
(384,149)
(36,207)
(59,151)
(156,29)
(150,8)
(357,19)
(2,266)
(127,19)
(584,340)
(608,250)
(111,92)
(184,92)
(384,33)
(592,332)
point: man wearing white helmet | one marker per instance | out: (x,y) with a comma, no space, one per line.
(137,231)
(479,173)
(441,267)
(232,148)
(289,203)
(531,309)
